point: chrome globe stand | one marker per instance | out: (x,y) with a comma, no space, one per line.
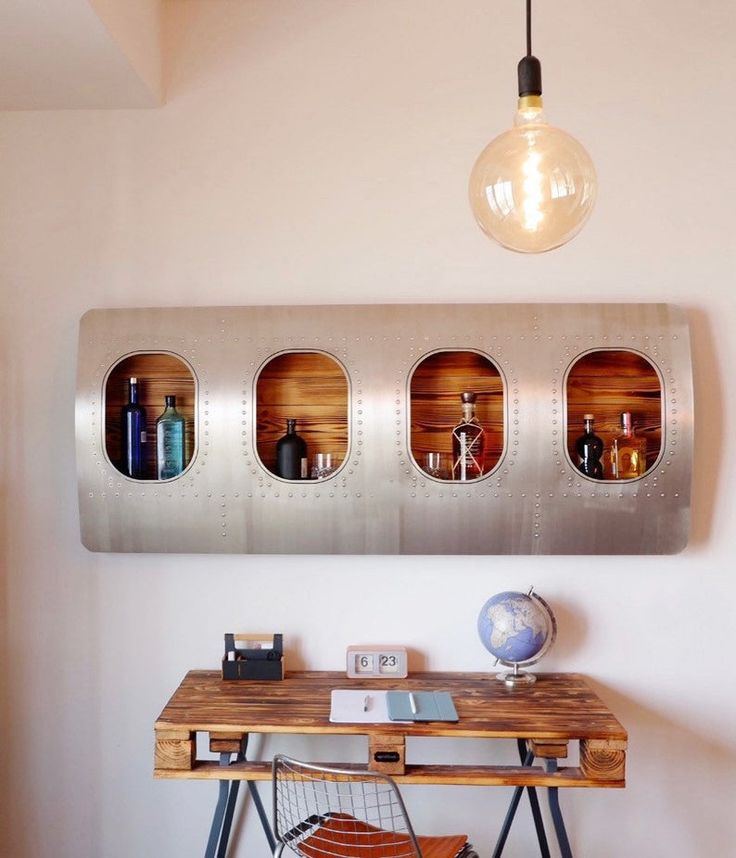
(516,677)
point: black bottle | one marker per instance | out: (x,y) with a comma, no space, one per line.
(291,454)
(133,434)
(589,448)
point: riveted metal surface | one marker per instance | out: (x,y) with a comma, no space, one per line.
(533,502)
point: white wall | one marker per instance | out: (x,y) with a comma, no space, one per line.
(319,152)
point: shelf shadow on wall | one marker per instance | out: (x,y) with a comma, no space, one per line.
(709,429)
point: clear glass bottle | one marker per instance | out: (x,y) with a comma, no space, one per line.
(468,442)
(628,453)
(133,434)
(170,437)
(589,448)
(291,454)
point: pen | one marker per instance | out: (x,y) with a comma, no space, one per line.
(412,703)
(366,699)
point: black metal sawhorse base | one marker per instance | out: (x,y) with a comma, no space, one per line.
(227,798)
(228,795)
(527,758)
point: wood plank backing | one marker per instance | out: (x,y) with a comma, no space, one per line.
(607,382)
(436,407)
(158,374)
(558,706)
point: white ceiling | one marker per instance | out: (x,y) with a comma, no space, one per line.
(67,54)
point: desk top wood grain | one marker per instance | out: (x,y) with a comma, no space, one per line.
(559,706)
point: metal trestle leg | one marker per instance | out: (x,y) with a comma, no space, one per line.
(227,798)
(559,822)
(527,758)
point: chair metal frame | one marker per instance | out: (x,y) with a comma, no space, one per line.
(309,799)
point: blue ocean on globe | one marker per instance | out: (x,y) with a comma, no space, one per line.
(513,626)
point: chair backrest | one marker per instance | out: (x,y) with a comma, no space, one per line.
(325,812)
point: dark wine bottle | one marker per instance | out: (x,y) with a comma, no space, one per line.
(291,454)
(589,448)
(133,434)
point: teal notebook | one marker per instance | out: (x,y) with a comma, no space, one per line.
(420,706)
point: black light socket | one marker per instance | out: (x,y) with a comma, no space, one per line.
(530,76)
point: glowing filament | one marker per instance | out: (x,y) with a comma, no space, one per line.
(532,187)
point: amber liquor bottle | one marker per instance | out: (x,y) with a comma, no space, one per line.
(468,442)
(628,452)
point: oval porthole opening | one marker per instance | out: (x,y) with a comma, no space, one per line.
(133,445)
(608,384)
(312,389)
(457,411)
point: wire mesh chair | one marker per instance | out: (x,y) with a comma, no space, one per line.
(324,812)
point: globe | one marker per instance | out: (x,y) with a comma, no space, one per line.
(518,629)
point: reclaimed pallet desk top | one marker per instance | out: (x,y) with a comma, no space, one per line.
(559,708)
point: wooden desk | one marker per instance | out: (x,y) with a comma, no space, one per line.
(544,718)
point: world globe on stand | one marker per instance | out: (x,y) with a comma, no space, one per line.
(518,629)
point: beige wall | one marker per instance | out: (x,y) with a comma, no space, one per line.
(319,152)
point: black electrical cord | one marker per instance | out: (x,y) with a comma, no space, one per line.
(530,69)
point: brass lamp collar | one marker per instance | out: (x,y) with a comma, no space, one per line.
(529,103)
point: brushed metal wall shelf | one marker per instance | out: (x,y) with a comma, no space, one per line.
(379,386)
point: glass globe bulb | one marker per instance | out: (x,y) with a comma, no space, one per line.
(533,187)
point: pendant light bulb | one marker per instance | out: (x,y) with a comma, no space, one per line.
(534,186)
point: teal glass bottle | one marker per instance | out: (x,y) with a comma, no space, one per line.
(170,441)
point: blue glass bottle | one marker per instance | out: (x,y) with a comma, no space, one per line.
(133,434)
(170,441)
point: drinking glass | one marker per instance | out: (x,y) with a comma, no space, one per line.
(433,465)
(323,466)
